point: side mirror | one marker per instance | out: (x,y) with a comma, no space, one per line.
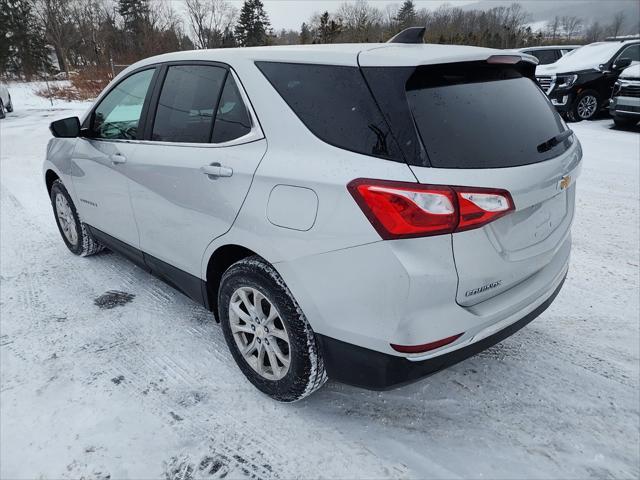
(66,128)
(621,63)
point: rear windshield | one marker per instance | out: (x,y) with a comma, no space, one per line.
(483,117)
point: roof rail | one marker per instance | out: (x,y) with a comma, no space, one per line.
(409,35)
(622,38)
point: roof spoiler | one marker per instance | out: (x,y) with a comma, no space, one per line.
(409,35)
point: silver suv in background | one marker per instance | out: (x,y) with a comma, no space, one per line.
(370,213)
(6,105)
(549,53)
(625,101)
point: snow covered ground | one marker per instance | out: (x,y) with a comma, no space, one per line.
(148,389)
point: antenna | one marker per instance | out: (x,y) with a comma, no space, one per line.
(410,35)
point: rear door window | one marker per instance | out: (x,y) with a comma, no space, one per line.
(335,104)
(482,116)
(232,117)
(187,103)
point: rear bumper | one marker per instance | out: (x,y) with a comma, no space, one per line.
(373,370)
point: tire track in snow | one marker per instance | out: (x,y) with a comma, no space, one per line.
(163,371)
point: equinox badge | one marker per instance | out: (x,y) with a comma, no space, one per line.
(484,288)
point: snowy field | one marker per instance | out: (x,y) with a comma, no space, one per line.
(148,389)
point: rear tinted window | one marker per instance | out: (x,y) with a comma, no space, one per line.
(335,104)
(482,117)
(187,102)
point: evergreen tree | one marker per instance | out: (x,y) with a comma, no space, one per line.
(22,50)
(329,29)
(135,14)
(305,34)
(228,40)
(406,16)
(253,24)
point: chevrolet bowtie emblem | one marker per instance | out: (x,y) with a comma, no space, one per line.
(565,182)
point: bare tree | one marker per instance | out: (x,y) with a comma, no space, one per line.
(571,25)
(209,19)
(360,21)
(594,33)
(615,28)
(553,28)
(55,16)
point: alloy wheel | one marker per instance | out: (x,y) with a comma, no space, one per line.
(587,106)
(259,333)
(66,219)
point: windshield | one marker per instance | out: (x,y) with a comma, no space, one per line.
(589,56)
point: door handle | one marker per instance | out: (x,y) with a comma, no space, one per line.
(117,158)
(217,170)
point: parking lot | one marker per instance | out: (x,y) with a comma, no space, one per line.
(145,387)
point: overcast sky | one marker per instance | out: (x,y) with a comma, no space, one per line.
(291,13)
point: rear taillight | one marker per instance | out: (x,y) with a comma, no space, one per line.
(405,210)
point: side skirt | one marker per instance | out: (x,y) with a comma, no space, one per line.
(190,285)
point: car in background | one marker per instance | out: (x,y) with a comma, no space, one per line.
(549,53)
(625,101)
(6,105)
(580,84)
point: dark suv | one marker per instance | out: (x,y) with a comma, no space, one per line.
(580,84)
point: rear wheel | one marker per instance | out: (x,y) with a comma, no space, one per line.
(10,105)
(267,333)
(75,234)
(2,114)
(585,106)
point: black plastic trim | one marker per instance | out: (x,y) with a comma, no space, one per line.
(190,285)
(373,370)
(130,253)
(409,35)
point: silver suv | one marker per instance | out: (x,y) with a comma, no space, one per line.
(371,213)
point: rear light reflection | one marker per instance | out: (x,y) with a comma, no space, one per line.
(406,210)
(425,347)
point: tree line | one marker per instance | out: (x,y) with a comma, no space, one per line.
(42,36)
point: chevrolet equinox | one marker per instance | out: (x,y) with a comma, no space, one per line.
(370,213)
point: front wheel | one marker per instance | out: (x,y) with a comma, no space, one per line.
(75,234)
(585,106)
(10,105)
(2,114)
(267,332)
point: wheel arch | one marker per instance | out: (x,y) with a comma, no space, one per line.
(50,176)
(220,260)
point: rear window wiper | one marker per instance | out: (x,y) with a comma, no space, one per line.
(552,142)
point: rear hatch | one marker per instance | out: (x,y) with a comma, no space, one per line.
(479,124)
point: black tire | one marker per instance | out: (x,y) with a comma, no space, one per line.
(85,244)
(306,372)
(2,114)
(10,105)
(577,112)
(625,122)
